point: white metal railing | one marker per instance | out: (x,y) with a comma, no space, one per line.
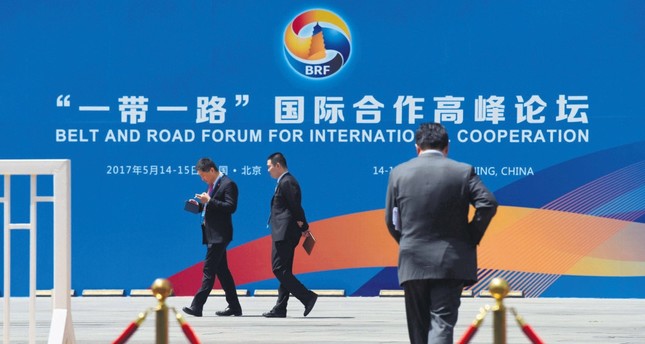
(61,328)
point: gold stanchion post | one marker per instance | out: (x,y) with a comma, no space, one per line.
(499,289)
(161,289)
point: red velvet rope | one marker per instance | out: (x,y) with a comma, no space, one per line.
(127,333)
(528,331)
(190,334)
(468,335)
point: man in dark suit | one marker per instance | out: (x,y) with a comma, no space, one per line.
(217,206)
(426,211)
(288,224)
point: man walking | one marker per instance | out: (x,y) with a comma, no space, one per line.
(217,206)
(288,224)
(426,211)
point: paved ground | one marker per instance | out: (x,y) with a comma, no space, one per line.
(338,320)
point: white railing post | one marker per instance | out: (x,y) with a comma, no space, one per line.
(62,316)
(33,235)
(61,329)
(6,200)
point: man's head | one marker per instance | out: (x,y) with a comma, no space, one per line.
(207,170)
(276,164)
(432,136)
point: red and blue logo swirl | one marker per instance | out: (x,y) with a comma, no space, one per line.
(317,43)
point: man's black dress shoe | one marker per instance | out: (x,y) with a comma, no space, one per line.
(192,312)
(310,305)
(274,314)
(229,311)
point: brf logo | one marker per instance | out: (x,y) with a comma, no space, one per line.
(317,43)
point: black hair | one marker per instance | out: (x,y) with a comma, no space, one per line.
(431,136)
(278,158)
(205,165)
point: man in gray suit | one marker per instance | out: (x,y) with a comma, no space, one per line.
(426,211)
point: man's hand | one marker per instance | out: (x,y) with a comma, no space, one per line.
(304,233)
(203,197)
(303,226)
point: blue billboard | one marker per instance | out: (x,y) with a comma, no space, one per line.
(542,97)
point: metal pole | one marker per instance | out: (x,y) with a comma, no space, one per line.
(499,289)
(499,323)
(162,323)
(161,289)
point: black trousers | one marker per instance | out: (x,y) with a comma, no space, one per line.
(216,265)
(282,253)
(431,308)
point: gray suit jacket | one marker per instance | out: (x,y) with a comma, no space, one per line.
(437,240)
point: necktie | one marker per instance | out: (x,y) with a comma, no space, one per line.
(210,191)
